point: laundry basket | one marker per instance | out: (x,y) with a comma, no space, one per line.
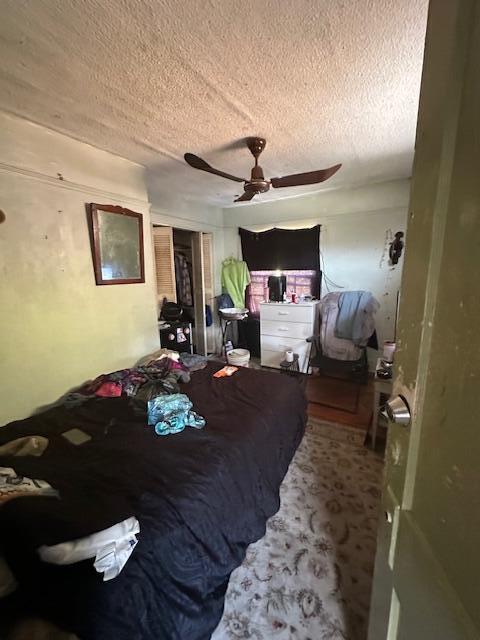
(238,357)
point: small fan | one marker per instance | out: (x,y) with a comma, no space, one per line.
(257,182)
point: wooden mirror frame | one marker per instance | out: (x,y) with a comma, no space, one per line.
(93,211)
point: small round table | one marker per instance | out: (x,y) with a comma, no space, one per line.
(290,368)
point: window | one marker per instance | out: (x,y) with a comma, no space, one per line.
(298,281)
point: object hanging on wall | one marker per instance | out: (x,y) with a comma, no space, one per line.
(117,244)
(396,248)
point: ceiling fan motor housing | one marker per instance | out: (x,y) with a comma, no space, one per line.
(257,182)
(257,185)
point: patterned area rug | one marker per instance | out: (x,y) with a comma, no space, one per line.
(309,577)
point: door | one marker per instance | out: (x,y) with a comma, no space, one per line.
(213,331)
(426,583)
(164,264)
(200,329)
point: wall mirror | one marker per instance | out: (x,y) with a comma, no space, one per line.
(117,244)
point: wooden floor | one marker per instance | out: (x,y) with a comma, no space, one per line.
(361,418)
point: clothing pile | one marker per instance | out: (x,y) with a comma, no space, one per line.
(152,385)
(172,413)
(153,388)
(193,361)
(155,378)
(348,323)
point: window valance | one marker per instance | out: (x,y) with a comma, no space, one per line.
(284,249)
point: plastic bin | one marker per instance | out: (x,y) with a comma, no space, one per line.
(239,357)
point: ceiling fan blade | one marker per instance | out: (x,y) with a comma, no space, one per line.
(311,177)
(244,197)
(197,163)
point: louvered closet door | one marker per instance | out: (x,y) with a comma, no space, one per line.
(164,263)
(209,287)
(200,329)
(207,241)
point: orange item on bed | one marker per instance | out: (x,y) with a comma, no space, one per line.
(225,372)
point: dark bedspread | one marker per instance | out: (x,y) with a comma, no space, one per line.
(201,497)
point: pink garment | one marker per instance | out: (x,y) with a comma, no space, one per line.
(251,301)
(109,390)
(173,364)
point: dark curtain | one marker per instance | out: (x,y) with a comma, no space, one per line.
(284,249)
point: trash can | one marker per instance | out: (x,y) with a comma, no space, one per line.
(238,357)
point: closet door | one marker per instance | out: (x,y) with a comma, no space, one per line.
(209,283)
(207,245)
(200,329)
(164,264)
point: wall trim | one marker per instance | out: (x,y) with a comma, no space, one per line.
(196,221)
(349,186)
(320,218)
(71,186)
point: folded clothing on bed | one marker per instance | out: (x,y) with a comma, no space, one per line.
(172,413)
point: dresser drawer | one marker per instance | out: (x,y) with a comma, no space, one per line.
(285,329)
(287,313)
(272,343)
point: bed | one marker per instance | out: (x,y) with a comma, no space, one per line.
(200,496)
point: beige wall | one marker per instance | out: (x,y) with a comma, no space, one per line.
(57,327)
(357,224)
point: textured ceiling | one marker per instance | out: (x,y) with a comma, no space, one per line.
(325,81)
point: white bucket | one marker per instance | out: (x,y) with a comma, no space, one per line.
(238,357)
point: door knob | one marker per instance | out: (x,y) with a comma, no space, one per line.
(398,411)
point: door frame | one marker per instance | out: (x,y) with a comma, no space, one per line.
(200,330)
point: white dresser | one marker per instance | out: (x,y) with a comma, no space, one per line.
(286,326)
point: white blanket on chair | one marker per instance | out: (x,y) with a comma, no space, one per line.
(333,347)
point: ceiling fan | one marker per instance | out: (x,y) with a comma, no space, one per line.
(257,182)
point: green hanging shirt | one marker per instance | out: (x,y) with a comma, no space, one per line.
(235,278)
